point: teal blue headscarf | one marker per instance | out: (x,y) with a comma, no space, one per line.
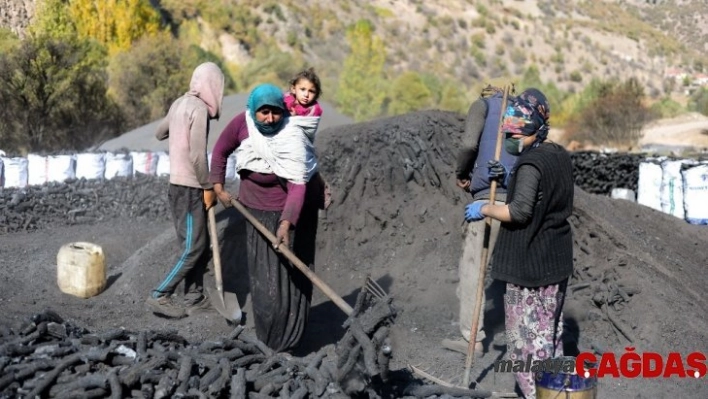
(266,94)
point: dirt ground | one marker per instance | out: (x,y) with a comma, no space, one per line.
(397,216)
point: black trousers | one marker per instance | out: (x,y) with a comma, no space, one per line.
(190,218)
(280,292)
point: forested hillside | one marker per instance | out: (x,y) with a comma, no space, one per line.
(131,58)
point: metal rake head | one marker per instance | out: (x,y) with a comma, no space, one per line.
(374,288)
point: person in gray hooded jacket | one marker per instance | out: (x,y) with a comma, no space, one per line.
(190,193)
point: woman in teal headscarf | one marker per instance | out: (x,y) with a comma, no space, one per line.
(271,162)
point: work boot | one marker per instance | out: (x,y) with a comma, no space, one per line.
(461,345)
(165,306)
(197,306)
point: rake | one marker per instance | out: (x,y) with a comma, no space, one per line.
(371,285)
(374,288)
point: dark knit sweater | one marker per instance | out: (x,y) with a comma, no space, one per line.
(539,252)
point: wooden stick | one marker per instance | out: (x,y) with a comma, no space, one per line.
(485,250)
(430,377)
(295,261)
(216,254)
(423,374)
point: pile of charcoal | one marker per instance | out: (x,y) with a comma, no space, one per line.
(82,201)
(49,357)
(599,173)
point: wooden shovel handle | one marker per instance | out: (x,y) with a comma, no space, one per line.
(216,253)
(294,259)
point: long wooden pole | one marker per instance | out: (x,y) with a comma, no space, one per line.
(485,250)
(294,259)
(216,253)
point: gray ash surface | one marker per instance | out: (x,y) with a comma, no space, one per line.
(397,216)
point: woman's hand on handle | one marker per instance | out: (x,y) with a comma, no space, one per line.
(282,236)
(223,195)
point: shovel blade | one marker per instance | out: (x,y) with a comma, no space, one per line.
(229,308)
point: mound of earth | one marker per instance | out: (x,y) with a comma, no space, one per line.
(143,138)
(397,216)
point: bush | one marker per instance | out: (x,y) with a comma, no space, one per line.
(667,108)
(616,117)
(699,101)
(54,97)
(409,93)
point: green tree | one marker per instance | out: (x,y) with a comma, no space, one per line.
(530,78)
(361,89)
(114,23)
(52,19)
(408,93)
(271,65)
(53,99)
(453,98)
(8,40)
(146,79)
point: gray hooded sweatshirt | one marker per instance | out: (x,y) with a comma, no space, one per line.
(187,127)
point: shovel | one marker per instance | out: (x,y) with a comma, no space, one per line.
(341,304)
(226,303)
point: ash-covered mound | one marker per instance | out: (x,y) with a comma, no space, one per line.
(397,214)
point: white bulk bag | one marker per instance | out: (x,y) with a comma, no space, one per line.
(231,167)
(695,194)
(623,193)
(230,170)
(672,187)
(61,168)
(118,165)
(14,173)
(144,162)
(163,163)
(90,166)
(649,184)
(37,170)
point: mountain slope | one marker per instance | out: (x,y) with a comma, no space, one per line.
(468,42)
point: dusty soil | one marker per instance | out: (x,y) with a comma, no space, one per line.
(398,216)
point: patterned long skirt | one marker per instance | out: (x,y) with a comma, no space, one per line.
(534,322)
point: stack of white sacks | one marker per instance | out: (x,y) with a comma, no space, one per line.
(34,170)
(678,187)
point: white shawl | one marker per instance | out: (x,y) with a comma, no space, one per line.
(289,154)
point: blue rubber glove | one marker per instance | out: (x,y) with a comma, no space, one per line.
(473,211)
(498,172)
